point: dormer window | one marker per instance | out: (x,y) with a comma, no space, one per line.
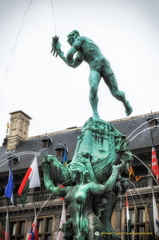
(46,141)
(152,122)
(13,159)
(59,150)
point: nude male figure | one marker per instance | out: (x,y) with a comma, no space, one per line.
(84,49)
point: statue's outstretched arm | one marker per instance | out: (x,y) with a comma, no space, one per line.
(58,172)
(49,183)
(69,60)
(109,184)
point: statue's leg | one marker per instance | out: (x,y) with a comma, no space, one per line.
(106,215)
(111,82)
(94,79)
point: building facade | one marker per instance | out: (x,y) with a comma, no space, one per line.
(142,133)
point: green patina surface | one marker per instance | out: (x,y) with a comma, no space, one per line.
(84,49)
(93,180)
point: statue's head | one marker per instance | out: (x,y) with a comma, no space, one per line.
(71,37)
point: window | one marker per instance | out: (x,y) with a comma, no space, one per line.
(62,152)
(40,225)
(21,227)
(141,215)
(48,237)
(49,225)
(46,227)
(18,229)
(46,141)
(132,216)
(139,224)
(59,153)
(13,159)
(152,122)
(13,228)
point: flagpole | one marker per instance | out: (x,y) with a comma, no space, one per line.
(7,228)
(152,137)
(35,218)
(154,212)
(128,218)
(10,185)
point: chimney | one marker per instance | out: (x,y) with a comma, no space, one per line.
(18,130)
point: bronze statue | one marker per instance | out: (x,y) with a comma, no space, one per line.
(92,180)
(79,199)
(84,49)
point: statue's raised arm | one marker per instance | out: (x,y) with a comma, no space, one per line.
(69,59)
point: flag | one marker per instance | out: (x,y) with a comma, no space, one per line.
(10,186)
(155,215)
(33,235)
(64,161)
(7,228)
(155,168)
(128,216)
(30,180)
(132,174)
(62,221)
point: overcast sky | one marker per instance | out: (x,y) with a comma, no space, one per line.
(54,95)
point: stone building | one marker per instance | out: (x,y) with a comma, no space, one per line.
(141,131)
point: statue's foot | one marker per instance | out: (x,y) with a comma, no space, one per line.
(95,116)
(128,110)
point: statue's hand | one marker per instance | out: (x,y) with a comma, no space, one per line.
(119,188)
(45,166)
(119,167)
(56,46)
(126,167)
(122,185)
(45,163)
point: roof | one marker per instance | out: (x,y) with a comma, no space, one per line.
(21,112)
(28,148)
(135,128)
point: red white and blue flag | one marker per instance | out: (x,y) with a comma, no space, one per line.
(33,235)
(10,186)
